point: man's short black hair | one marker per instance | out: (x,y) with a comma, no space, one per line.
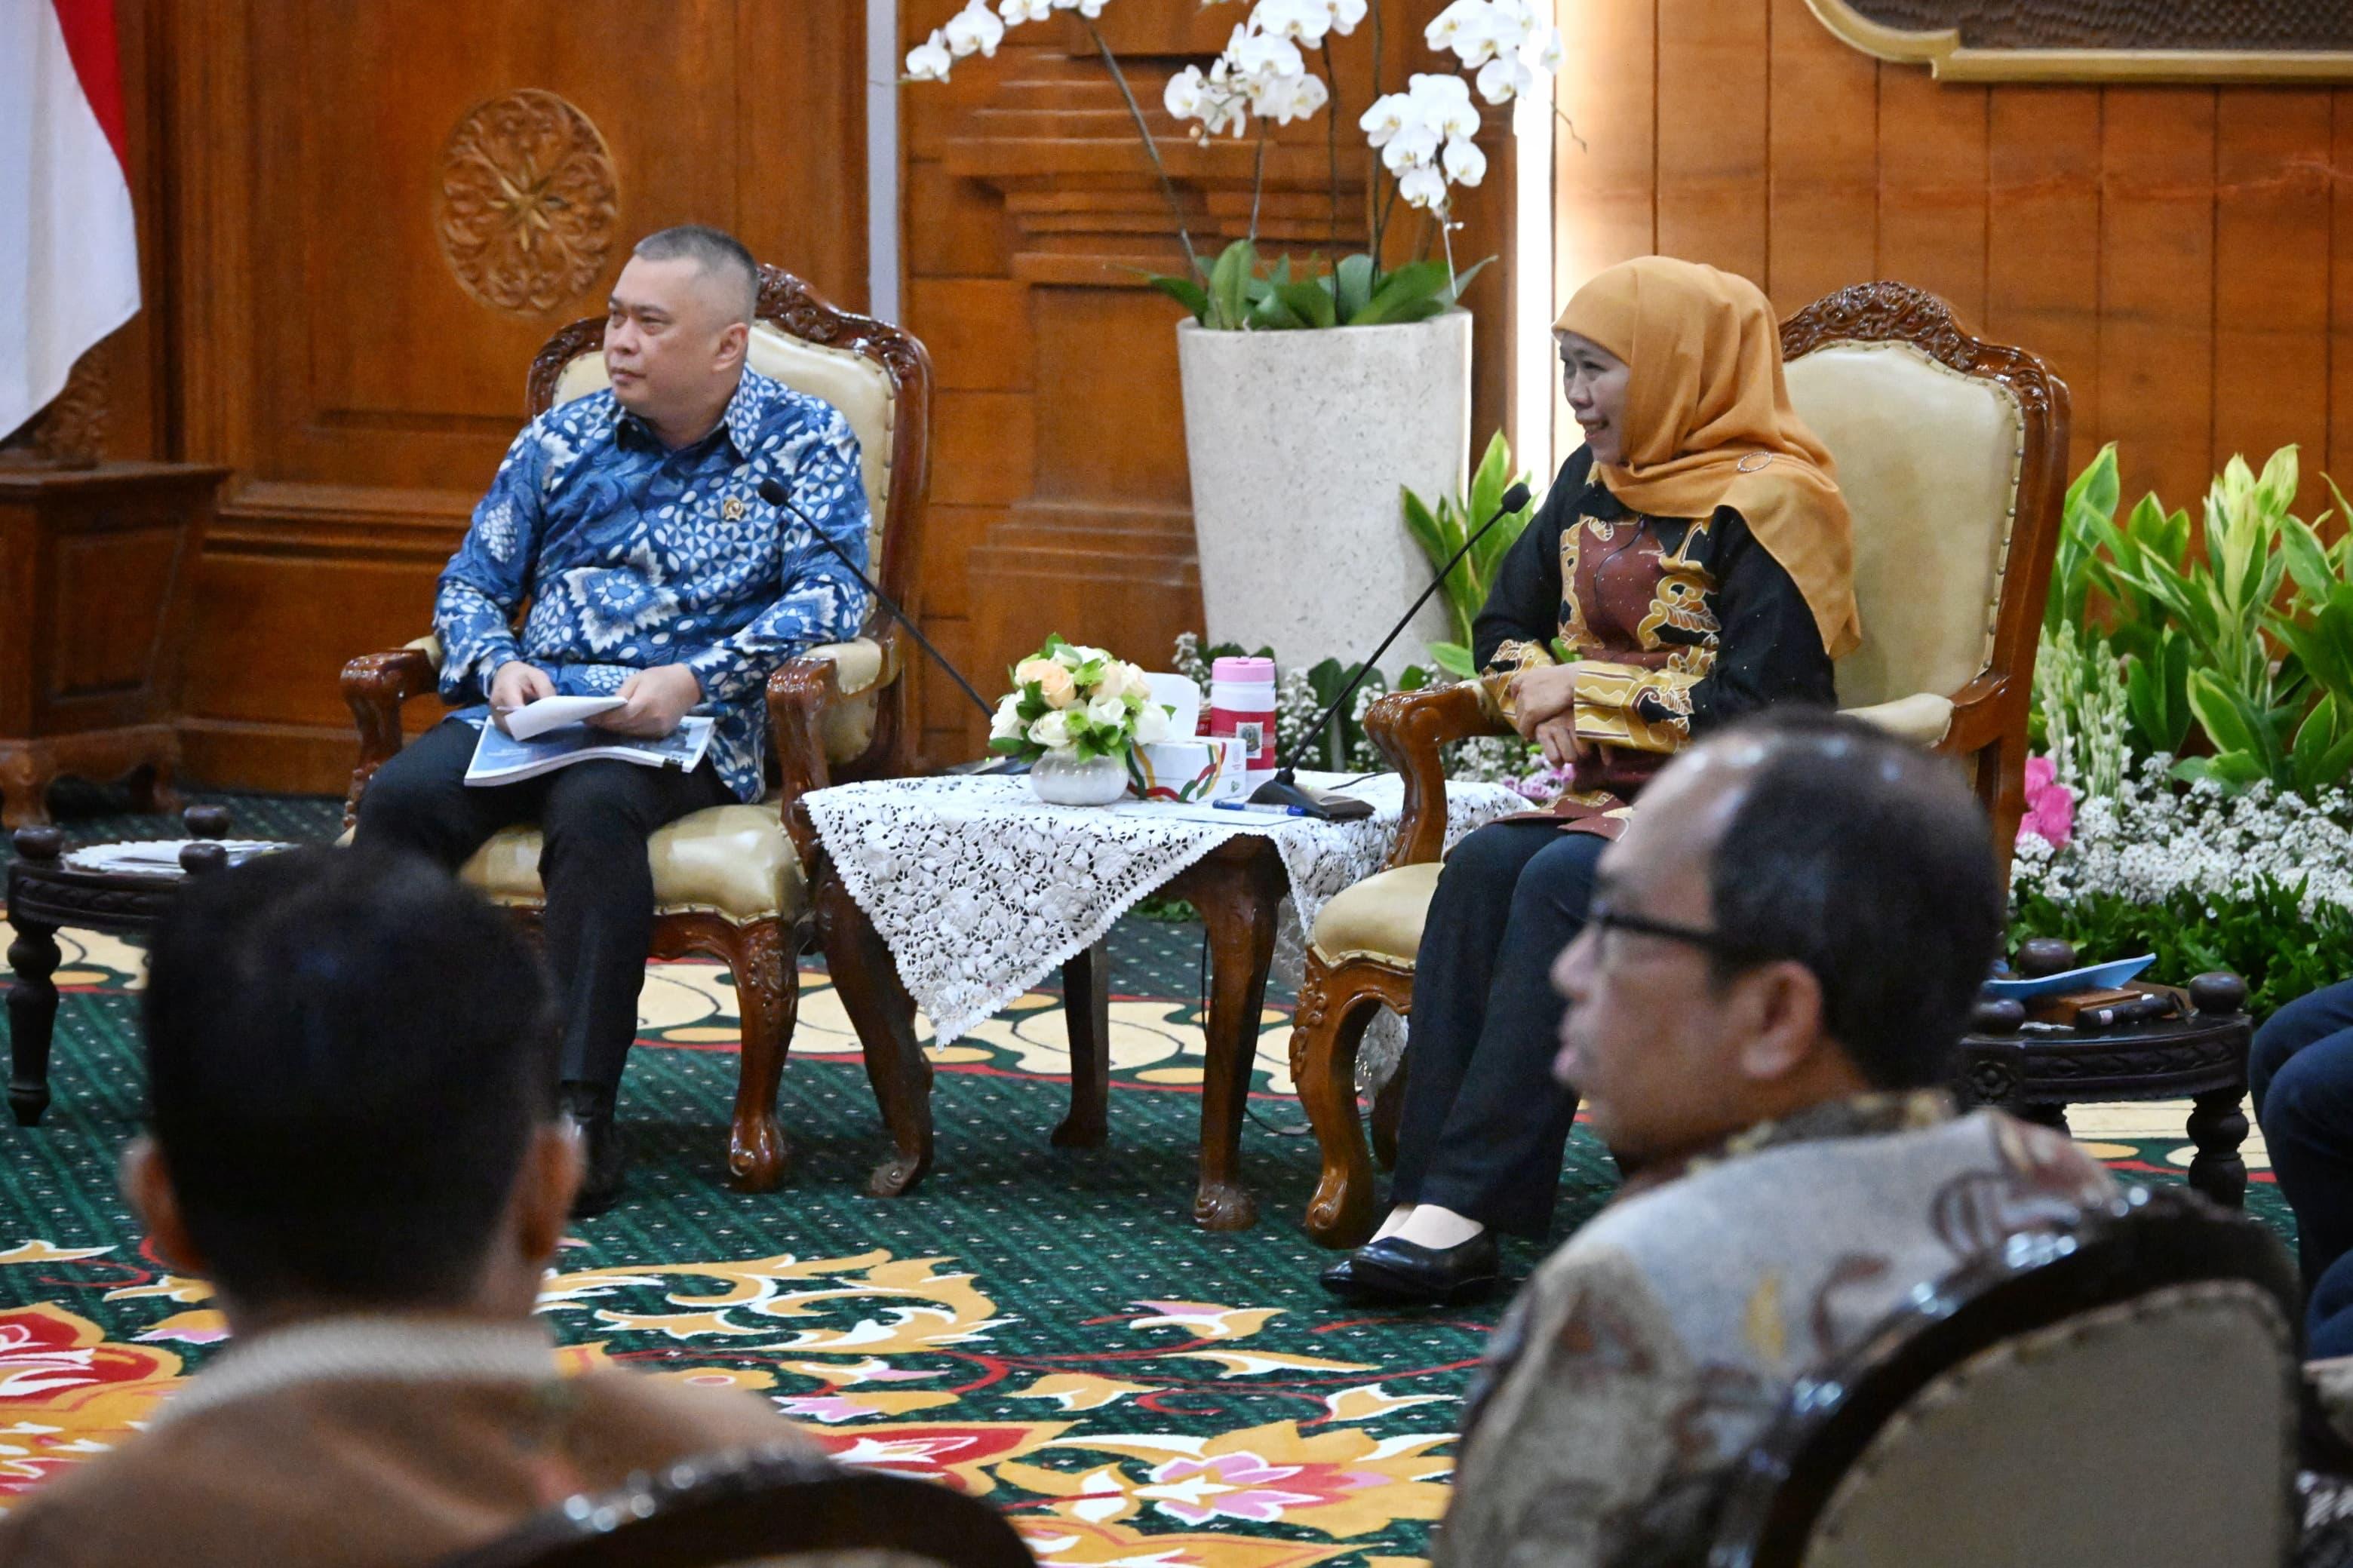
(715,251)
(1869,861)
(347,1053)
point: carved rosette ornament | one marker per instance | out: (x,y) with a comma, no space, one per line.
(529,202)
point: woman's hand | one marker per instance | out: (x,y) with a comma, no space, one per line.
(1563,747)
(1540,694)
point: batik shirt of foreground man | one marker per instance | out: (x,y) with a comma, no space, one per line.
(632,556)
(1651,1351)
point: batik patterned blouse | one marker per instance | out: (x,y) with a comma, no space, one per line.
(632,556)
(1677,624)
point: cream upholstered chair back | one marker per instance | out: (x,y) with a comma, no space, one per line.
(1929,460)
(2123,1390)
(852,382)
(2156,1432)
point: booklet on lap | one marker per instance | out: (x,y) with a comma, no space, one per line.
(500,758)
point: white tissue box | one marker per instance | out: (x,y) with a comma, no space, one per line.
(1198,770)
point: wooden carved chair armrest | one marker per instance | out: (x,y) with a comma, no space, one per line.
(1409,727)
(800,694)
(375,686)
(1981,711)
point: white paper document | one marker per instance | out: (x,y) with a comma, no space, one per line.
(500,758)
(533,719)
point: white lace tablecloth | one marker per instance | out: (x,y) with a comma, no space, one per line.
(981,890)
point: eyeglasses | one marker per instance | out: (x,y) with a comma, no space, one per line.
(1605,921)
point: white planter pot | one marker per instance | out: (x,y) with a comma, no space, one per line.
(1059,778)
(1299,442)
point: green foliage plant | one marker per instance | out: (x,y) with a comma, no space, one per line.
(1241,292)
(1441,531)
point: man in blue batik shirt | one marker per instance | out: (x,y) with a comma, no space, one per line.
(630,522)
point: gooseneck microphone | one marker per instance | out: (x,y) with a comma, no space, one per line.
(1283,788)
(775,494)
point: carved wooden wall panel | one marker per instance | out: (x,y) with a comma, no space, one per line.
(363,219)
(1059,495)
(2182,255)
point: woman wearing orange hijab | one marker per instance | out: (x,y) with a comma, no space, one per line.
(1694,557)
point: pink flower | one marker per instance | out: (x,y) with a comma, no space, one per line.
(2049,804)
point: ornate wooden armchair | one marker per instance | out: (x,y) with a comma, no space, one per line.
(731,882)
(1952,454)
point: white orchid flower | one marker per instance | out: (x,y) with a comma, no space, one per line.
(1187,91)
(1445,101)
(1345,15)
(1304,21)
(1288,98)
(929,60)
(1504,78)
(1263,55)
(1463,163)
(1089,9)
(1151,724)
(1051,730)
(1424,187)
(1016,11)
(976,29)
(1462,27)
(1415,147)
(1548,51)
(1386,118)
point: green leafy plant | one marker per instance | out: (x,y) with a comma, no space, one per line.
(1441,531)
(2263,934)
(1240,292)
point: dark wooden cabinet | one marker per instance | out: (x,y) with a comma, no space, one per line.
(96,567)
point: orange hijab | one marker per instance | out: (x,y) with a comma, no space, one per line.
(1708,423)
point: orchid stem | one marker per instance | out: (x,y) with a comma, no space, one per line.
(1332,136)
(1258,182)
(1151,148)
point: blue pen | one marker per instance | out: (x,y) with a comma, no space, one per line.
(1263,810)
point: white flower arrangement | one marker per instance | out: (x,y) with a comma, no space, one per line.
(2154,837)
(1423,133)
(1078,702)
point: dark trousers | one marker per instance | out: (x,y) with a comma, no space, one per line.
(595,818)
(2301,1071)
(1484,1124)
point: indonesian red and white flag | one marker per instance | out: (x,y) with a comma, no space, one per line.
(68,250)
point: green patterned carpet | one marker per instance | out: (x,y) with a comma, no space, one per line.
(1041,1326)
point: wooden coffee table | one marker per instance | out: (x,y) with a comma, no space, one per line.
(2202,1057)
(45,894)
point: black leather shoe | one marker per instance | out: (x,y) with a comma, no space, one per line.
(1404,1273)
(590,1106)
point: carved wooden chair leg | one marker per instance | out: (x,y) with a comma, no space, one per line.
(1389,1109)
(767,992)
(1329,1027)
(1086,1006)
(152,791)
(884,1016)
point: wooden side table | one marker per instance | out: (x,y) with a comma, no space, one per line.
(1238,887)
(45,894)
(96,569)
(2202,1058)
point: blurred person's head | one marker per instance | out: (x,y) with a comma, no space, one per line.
(1802,909)
(677,327)
(351,1091)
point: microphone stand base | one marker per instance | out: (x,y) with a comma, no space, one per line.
(1321,804)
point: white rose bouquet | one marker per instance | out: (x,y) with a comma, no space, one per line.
(1078,702)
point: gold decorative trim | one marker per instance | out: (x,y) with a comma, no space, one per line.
(1950,60)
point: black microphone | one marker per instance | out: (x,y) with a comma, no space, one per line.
(1283,788)
(776,495)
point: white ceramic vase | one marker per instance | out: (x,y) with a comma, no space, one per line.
(1299,442)
(1059,778)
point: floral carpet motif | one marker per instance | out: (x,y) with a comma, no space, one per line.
(1039,1327)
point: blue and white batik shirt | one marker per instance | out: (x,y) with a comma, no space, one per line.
(632,556)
